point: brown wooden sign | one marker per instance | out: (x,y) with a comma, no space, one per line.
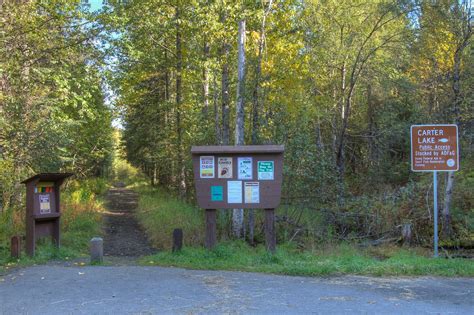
(243,177)
(238,177)
(434,148)
(43,208)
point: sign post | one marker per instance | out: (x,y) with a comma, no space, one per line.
(434,148)
(435,213)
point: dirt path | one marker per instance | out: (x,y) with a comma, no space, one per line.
(123,235)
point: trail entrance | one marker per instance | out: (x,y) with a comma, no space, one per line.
(123,235)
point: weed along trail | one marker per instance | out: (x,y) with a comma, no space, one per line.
(123,236)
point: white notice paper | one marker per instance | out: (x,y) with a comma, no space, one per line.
(244,167)
(45,206)
(206,166)
(252,192)
(234,191)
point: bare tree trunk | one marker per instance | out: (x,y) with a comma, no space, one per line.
(179,76)
(167,80)
(319,136)
(169,176)
(340,139)
(240,114)
(225,96)
(155,174)
(371,126)
(238,214)
(465,36)
(256,107)
(217,127)
(258,74)
(205,81)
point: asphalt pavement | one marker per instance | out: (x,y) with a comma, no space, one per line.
(157,290)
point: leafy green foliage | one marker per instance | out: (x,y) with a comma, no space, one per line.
(53,115)
(338,83)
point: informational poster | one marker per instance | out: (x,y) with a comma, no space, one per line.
(217,193)
(45,206)
(244,167)
(252,192)
(224,167)
(234,191)
(434,148)
(206,166)
(266,170)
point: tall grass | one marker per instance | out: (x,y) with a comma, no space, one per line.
(339,259)
(159,212)
(82,205)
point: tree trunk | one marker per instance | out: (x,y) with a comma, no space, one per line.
(217,127)
(256,108)
(340,138)
(205,81)
(238,214)
(258,74)
(225,91)
(371,126)
(240,114)
(447,231)
(457,101)
(155,174)
(179,76)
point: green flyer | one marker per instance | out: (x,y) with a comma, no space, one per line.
(217,193)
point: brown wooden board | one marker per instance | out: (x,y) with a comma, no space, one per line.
(212,192)
(43,208)
(434,148)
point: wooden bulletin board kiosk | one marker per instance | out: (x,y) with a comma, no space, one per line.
(43,208)
(238,177)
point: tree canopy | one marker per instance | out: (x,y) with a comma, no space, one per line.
(337,82)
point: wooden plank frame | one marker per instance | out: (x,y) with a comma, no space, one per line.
(43,224)
(270,190)
(269,187)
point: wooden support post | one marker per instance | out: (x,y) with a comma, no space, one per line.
(211,227)
(177,240)
(15,249)
(30,239)
(270,236)
(56,233)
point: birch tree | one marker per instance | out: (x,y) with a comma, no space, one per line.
(238,214)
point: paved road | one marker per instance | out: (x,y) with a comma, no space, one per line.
(151,290)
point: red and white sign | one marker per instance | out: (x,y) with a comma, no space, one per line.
(434,148)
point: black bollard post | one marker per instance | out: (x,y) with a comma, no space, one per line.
(177,240)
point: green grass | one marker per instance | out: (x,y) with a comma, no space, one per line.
(159,212)
(45,252)
(340,259)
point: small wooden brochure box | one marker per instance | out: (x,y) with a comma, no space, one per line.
(43,208)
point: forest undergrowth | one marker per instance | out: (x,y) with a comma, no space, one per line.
(308,248)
